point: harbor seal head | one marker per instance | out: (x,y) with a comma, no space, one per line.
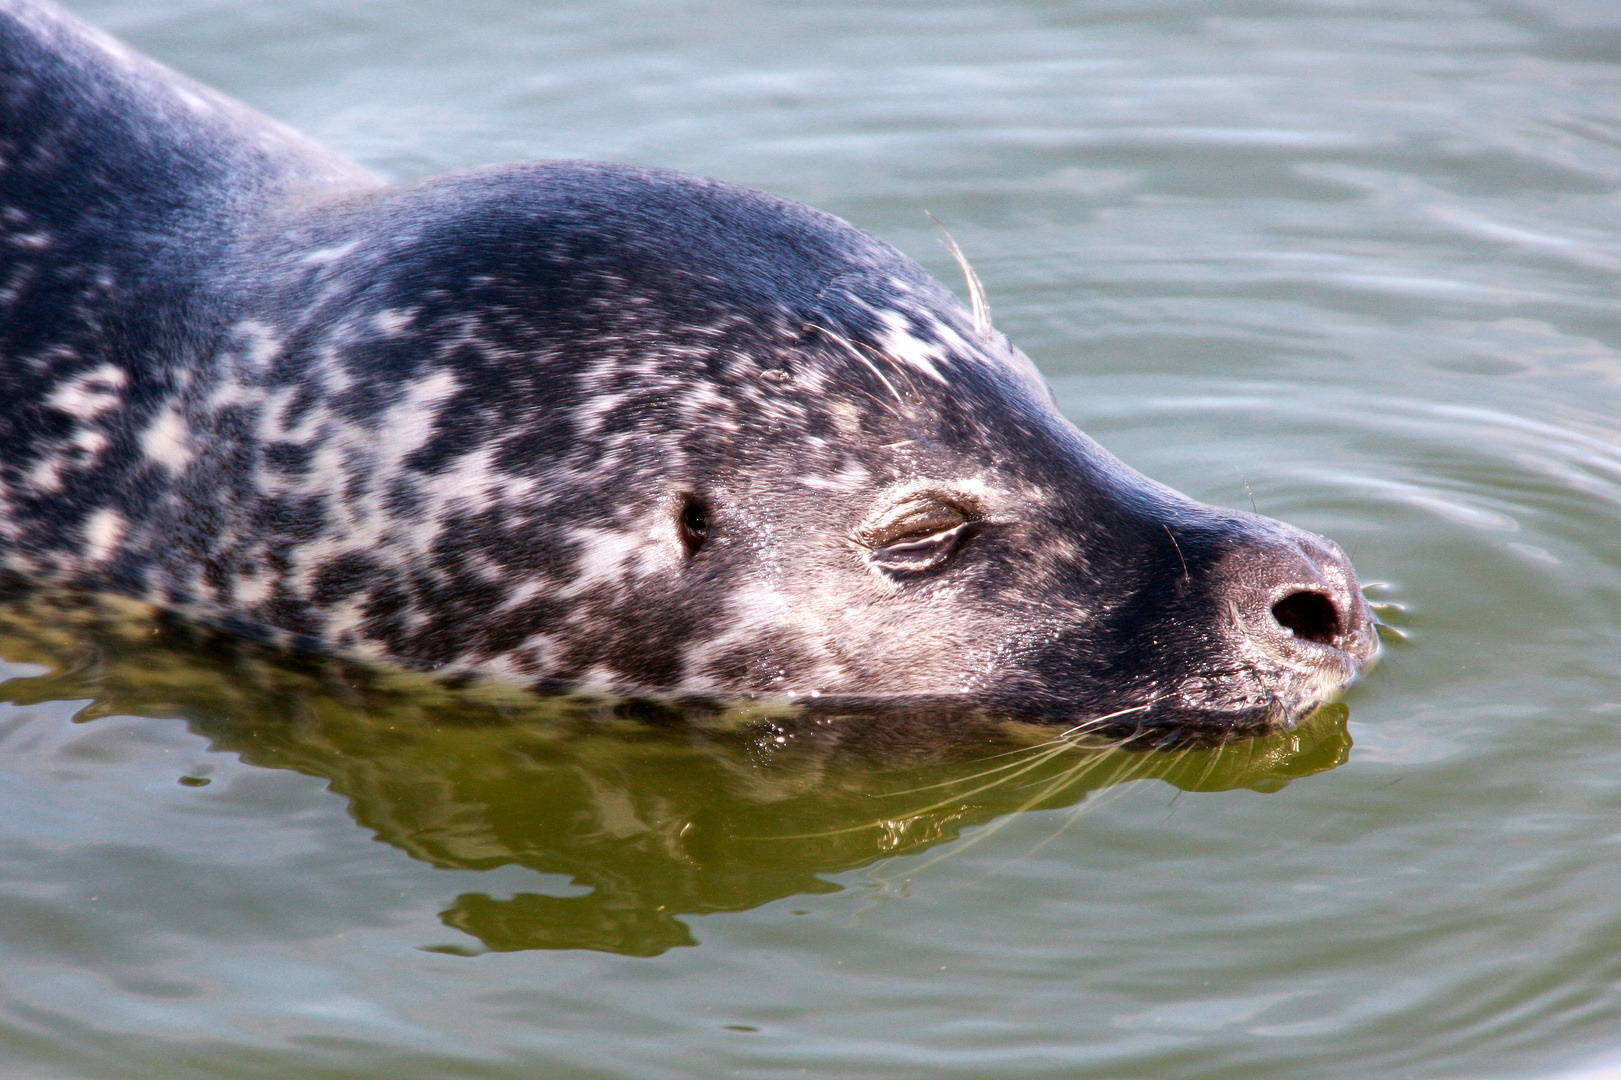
(582,425)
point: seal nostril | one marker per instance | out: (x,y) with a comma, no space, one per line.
(1310,616)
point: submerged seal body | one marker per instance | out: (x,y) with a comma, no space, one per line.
(580,424)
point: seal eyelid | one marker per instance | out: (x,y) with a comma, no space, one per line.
(914,554)
(916,517)
(919,534)
(692,523)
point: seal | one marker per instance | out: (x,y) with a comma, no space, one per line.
(581,425)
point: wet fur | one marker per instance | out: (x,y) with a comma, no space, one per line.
(455,425)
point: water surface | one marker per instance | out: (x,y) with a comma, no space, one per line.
(1356,262)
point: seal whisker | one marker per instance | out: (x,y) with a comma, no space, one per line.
(1186,577)
(980,307)
(1097,720)
(1064,740)
(1245,481)
(859,355)
(1034,756)
(1046,753)
(1077,773)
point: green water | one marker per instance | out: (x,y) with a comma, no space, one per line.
(1356,261)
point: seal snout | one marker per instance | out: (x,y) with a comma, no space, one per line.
(1296,598)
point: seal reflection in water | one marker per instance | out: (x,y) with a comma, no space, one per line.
(650,822)
(582,425)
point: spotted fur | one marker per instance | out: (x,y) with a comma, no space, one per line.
(580,424)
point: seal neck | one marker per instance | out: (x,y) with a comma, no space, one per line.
(92,134)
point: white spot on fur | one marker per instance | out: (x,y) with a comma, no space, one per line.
(260,343)
(615,554)
(252,586)
(321,256)
(46,476)
(410,422)
(850,479)
(102,532)
(89,395)
(91,442)
(165,442)
(391,321)
(899,344)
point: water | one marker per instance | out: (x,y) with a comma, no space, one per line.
(1356,261)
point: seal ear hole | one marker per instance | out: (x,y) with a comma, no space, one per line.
(692,524)
(1310,616)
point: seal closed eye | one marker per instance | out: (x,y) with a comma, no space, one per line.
(922,531)
(581,424)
